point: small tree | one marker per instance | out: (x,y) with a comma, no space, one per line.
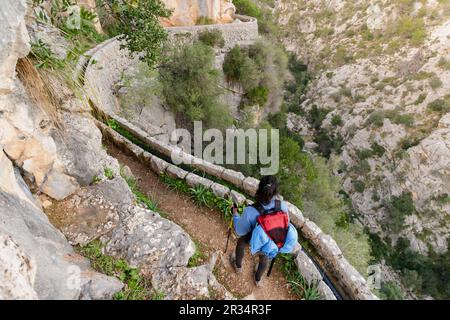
(141,29)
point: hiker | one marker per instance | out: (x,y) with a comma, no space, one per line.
(267,212)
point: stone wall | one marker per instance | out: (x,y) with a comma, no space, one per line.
(351,282)
(244,29)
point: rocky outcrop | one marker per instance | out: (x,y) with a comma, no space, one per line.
(383,89)
(17,270)
(186,13)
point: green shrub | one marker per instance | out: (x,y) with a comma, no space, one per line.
(140,28)
(316,116)
(444,63)
(397,209)
(239,68)
(258,95)
(213,38)
(191,85)
(248,8)
(278,120)
(377,149)
(44,57)
(412,28)
(435,83)
(336,120)
(364,153)
(390,291)
(376,118)
(328,142)
(260,70)
(359,186)
(440,105)
(421,98)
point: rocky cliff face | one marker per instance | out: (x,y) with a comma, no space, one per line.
(382,78)
(187,13)
(50,154)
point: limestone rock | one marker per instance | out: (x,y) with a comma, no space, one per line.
(148,241)
(17,271)
(99,287)
(15,41)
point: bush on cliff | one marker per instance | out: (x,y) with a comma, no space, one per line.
(260,69)
(191,85)
(140,27)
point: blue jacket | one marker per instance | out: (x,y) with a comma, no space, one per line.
(260,242)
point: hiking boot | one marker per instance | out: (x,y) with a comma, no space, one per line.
(259,284)
(233,263)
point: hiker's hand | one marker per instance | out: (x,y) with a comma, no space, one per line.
(234,209)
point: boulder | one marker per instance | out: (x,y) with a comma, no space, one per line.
(150,242)
(93,212)
(55,267)
(98,286)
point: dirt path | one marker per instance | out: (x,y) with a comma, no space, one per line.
(208,230)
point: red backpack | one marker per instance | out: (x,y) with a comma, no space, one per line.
(274,222)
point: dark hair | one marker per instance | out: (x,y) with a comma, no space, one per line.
(267,189)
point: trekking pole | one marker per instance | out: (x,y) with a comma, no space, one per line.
(229,234)
(234,206)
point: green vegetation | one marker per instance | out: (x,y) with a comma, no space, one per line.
(266,23)
(213,38)
(297,283)
(136,286)
(138,22)
(198,258)
(260,70)
(428,275)
(421,98)
(435,83)
(359,186)
(109,173)
(444,63)
(80,36)
(397,209)
(44,56)
(390,291)
(377,117)
(141,197)
(336,120)
(440,106)
(191,85)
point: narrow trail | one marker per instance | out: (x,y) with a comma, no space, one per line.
(208,230)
